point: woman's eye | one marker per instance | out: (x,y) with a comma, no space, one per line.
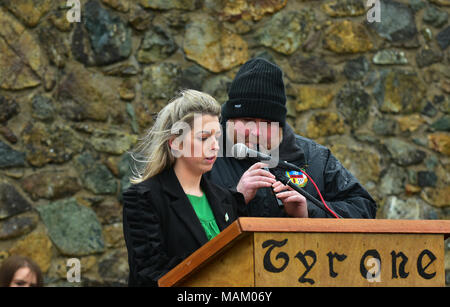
(20,283)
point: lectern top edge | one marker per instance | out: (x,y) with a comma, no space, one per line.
(252,224)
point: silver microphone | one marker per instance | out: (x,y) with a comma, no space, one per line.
(240,152)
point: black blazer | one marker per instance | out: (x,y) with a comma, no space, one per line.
(161,227)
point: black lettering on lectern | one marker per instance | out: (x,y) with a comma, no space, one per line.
(302,257)
(401,266)
(267,263)
(331,256)
(421,269)
(362,265)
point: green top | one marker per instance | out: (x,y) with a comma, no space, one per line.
(205,215)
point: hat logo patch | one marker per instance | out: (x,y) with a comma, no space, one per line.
(297,178)
(237,106)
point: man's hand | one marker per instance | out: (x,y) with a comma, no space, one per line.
(294,203)
(253,179)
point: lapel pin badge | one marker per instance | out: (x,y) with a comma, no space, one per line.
(226,217)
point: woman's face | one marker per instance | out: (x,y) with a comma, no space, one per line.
(199,148)
(24,277)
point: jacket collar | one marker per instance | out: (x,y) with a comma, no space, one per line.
(183,208)
(217,201)
(289,148)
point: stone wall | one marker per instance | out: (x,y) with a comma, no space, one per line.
(74,97)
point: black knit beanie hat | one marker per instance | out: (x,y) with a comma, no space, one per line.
(257,91)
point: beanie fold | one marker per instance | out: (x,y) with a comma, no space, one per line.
(255,108)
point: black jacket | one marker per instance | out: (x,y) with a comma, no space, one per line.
(340,189)
(161,227)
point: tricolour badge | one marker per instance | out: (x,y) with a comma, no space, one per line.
(298,178)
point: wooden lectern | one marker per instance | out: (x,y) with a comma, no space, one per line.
(266,252)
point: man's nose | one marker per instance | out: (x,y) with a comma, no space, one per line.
(254,129)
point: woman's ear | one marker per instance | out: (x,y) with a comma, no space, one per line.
(176,146)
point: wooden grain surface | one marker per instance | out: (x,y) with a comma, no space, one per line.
(201,256)
(233,268)
(306,260)
(326,227)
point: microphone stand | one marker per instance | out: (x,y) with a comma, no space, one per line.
(286,181)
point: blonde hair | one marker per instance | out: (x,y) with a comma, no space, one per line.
(153,154)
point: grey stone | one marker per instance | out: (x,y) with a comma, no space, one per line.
(404,153)
(427,57)
(356,69)
(411,209)
(265,54)
(160,80)
(353,102)
(421,141)
(55,44)
(102,38)
(112,141)
(218,86)
(10,157)
(113,268)
(397,23)
(124,165)
(384,126)
(431,162)
(50,184)
(344,8)
(18,225)
(129,67)
(442,124)
(11,201)
(296,26)
(56,143)
(139,18)
(442,103)
(310,70)
(429,110)
(74,229)
(399,91)
(390,57)
(193,77)
(417,5)
(443,38)
(426,179)
(393,180)
(169,4)
(108,212)
(133,118)
(435,16)
(8,109)
(42,108)
(427,34)
(156,45)
(95,176)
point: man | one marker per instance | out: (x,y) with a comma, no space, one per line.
(255,114)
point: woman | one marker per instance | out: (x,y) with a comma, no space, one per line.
(19,271)
(171,209)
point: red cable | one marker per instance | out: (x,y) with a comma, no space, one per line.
(320,195)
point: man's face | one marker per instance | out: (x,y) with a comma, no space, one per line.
(255,133)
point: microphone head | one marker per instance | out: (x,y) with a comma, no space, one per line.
(239,151)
